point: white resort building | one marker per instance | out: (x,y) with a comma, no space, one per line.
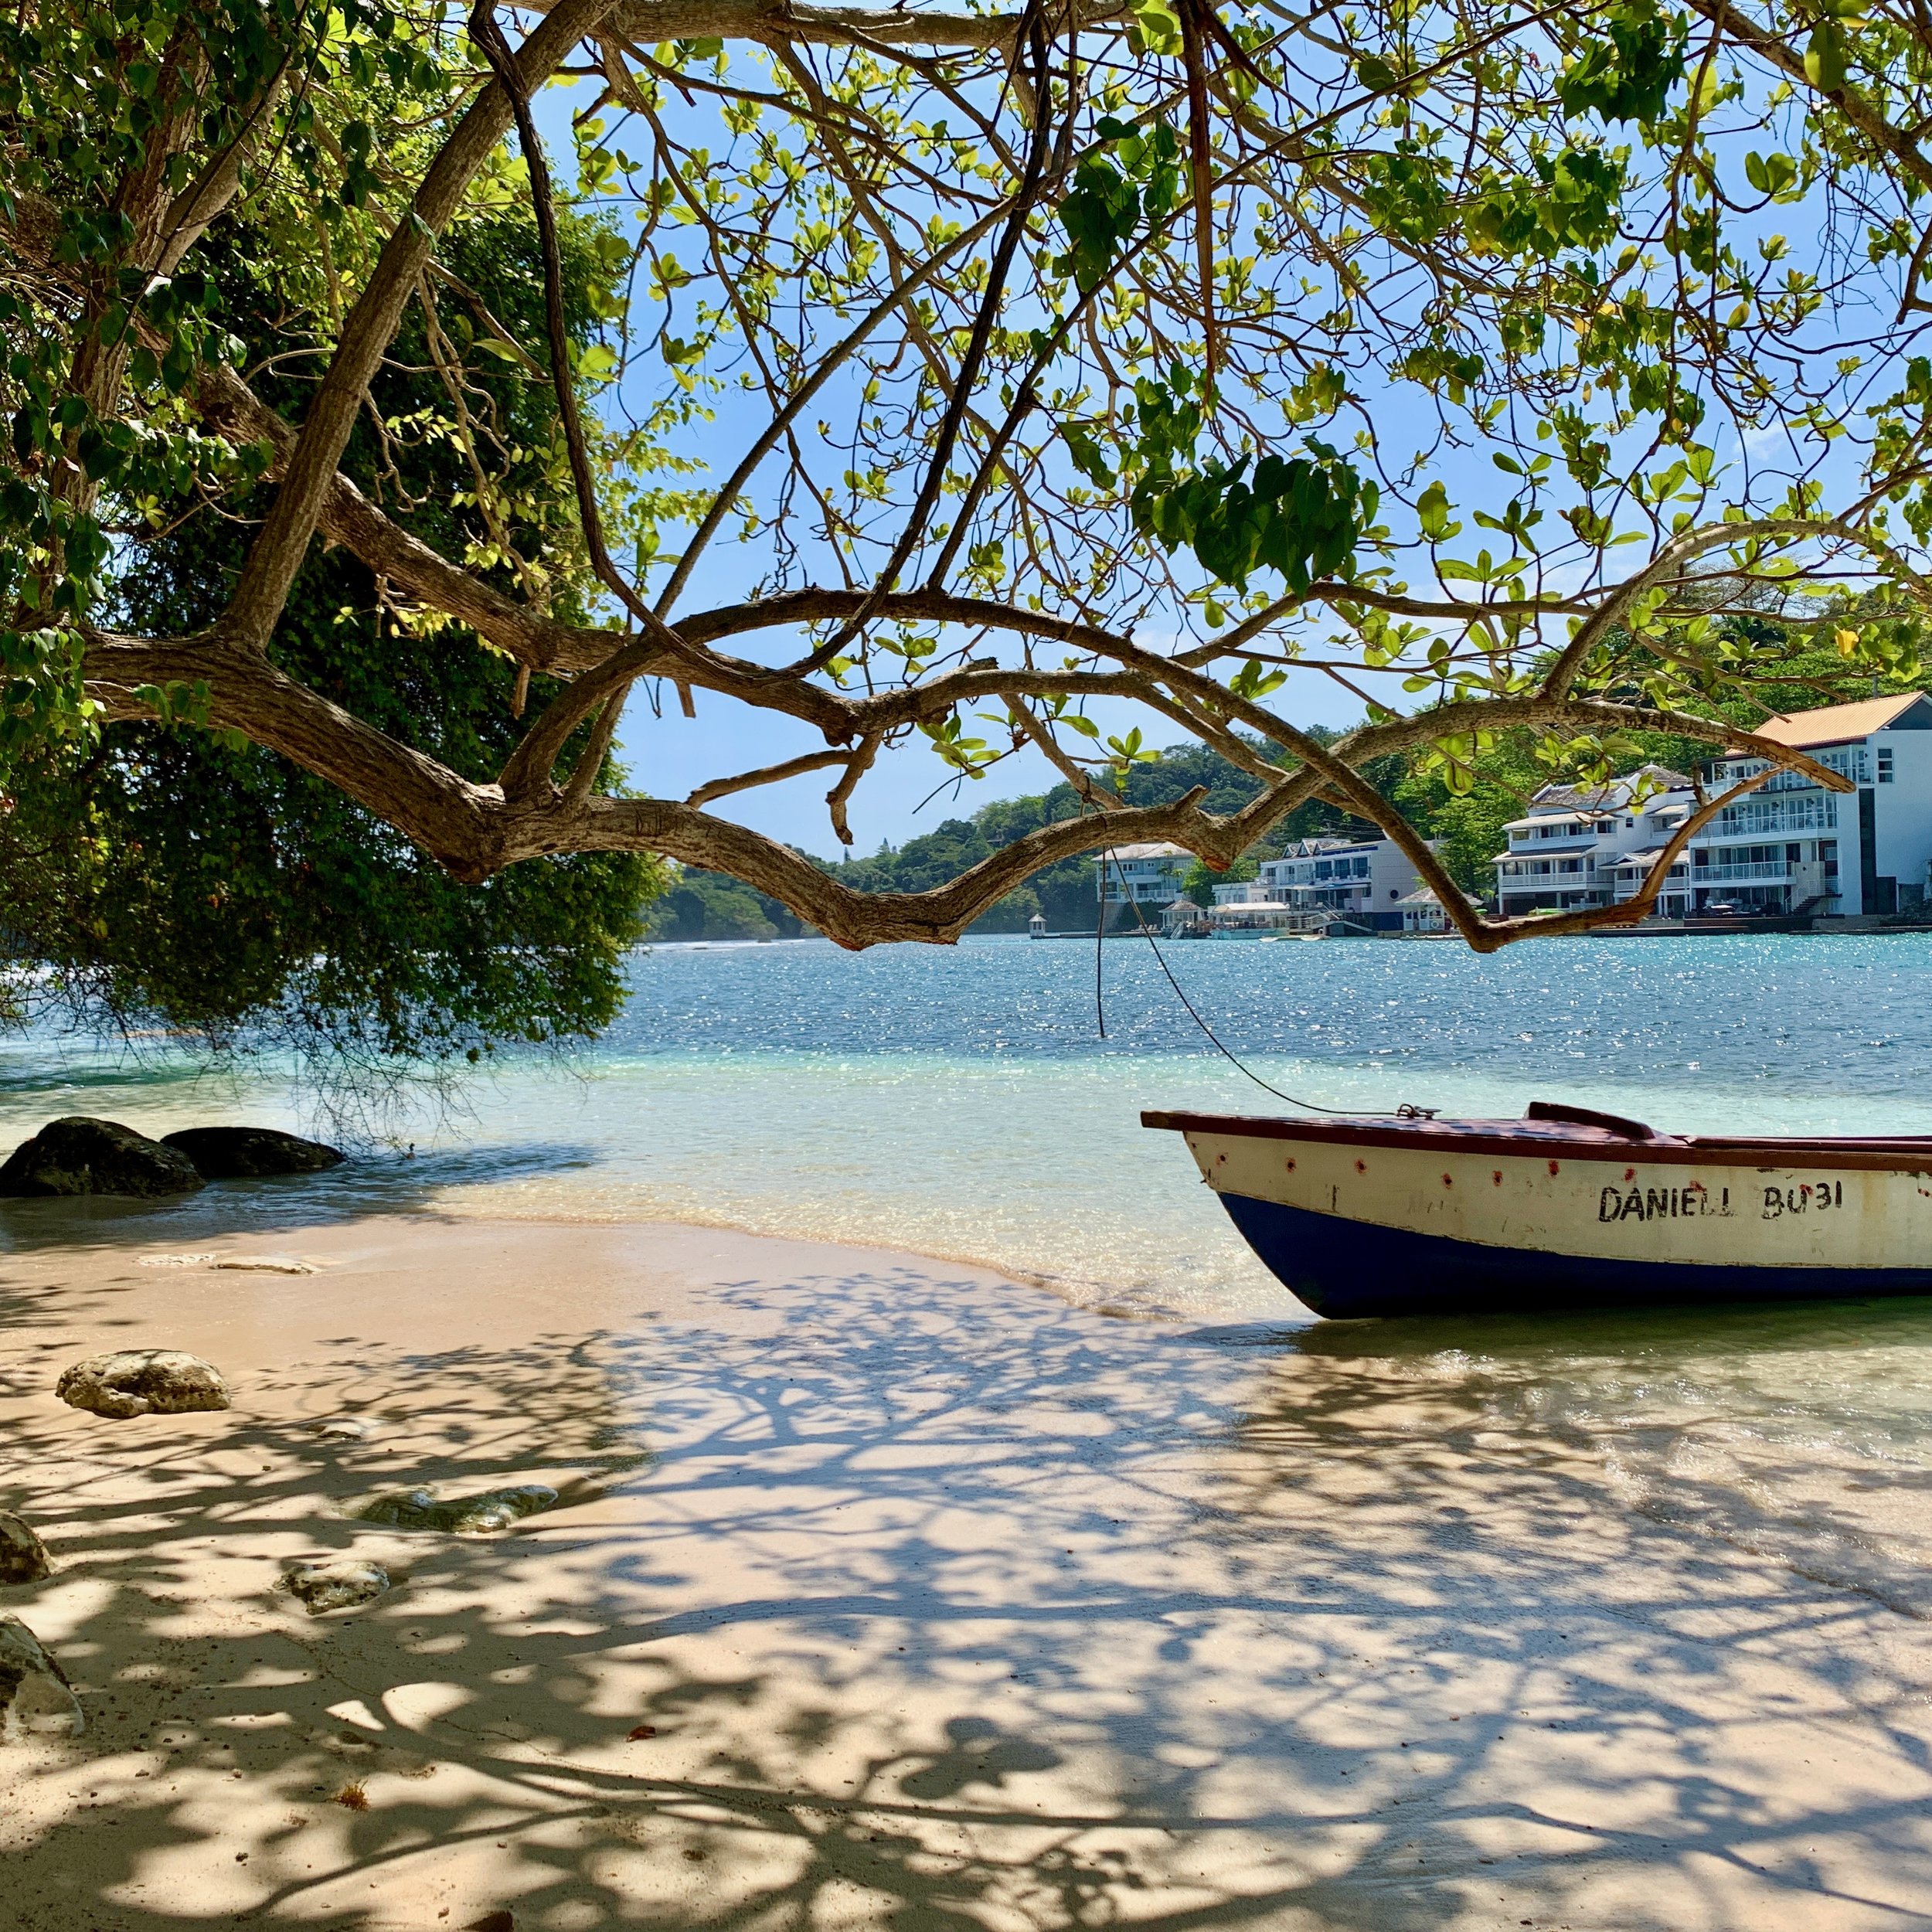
(1791,847)
(1147,876)
(1365,880)
(1345,884)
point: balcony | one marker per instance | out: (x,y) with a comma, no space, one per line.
(1769,871)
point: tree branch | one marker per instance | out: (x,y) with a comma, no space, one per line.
(279,548)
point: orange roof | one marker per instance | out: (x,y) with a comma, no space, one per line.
(1837,723)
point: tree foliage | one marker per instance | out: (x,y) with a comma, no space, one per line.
(190,877)
(1544,377)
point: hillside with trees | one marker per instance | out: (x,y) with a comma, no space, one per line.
(1466,824)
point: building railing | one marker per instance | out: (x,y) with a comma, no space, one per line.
(1809,811)
(1766,871)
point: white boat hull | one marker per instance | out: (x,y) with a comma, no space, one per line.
(1382,1217)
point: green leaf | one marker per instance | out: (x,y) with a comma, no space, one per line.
(1157,26)
(1099,214)
(1432,515)
(1087,456)
(1825,58)
(1633,58)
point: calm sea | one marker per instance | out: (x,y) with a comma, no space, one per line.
(962,1104)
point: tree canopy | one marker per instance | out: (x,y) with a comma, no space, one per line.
(1542,375)
(193,878)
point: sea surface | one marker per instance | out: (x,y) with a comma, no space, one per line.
(964,1104)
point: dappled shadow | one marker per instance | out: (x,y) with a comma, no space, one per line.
(882,1597)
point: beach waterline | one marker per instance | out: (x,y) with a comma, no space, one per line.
(960,1104)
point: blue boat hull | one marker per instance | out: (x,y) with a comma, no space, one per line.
(1347,1269)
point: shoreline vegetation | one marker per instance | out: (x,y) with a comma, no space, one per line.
(1467,824)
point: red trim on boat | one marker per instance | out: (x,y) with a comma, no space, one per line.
(1575,1141)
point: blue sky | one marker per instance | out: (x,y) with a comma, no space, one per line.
(909,790)
(667,754)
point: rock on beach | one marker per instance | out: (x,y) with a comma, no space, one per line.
(479,1515)
(23,1556)
(139,1382)
(243,1153)
(336,1582)
(78,1155)
(35,1694)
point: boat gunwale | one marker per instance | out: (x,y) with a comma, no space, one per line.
(1554,1140)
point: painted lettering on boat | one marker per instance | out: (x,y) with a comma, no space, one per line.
(1781,1201)
(1662,1203)
(1696,1201)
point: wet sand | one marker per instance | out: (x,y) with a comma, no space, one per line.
(945,1606)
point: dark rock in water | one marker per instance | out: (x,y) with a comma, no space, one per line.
(78,1155)
(480,1516)
(341,1583)
(237,1153)
(35,1694)
(23,1556)
(139,1382)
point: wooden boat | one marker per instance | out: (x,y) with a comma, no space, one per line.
(1566,1208)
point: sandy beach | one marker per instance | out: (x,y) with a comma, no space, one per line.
(882,1593)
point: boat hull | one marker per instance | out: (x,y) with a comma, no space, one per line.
(1348,1270)
(1379,1217)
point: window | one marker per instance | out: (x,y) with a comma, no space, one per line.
(1885,767)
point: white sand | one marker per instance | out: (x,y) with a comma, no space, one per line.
(951,1607)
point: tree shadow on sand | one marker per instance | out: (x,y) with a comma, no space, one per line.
(879,1599)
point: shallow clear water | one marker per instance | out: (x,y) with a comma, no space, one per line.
(961,1102)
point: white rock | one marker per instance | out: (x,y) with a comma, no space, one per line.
(36,1698)
(344,1428)
(135,1382)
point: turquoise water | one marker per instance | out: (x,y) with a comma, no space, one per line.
(962,1102)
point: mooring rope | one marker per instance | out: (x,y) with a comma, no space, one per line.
(1405,1112)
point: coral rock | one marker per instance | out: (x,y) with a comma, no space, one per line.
(35,1694)
(340,1583)
(139,1382)
(479,1515)
(23,1556)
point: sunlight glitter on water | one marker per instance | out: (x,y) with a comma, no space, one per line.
(961,1104)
